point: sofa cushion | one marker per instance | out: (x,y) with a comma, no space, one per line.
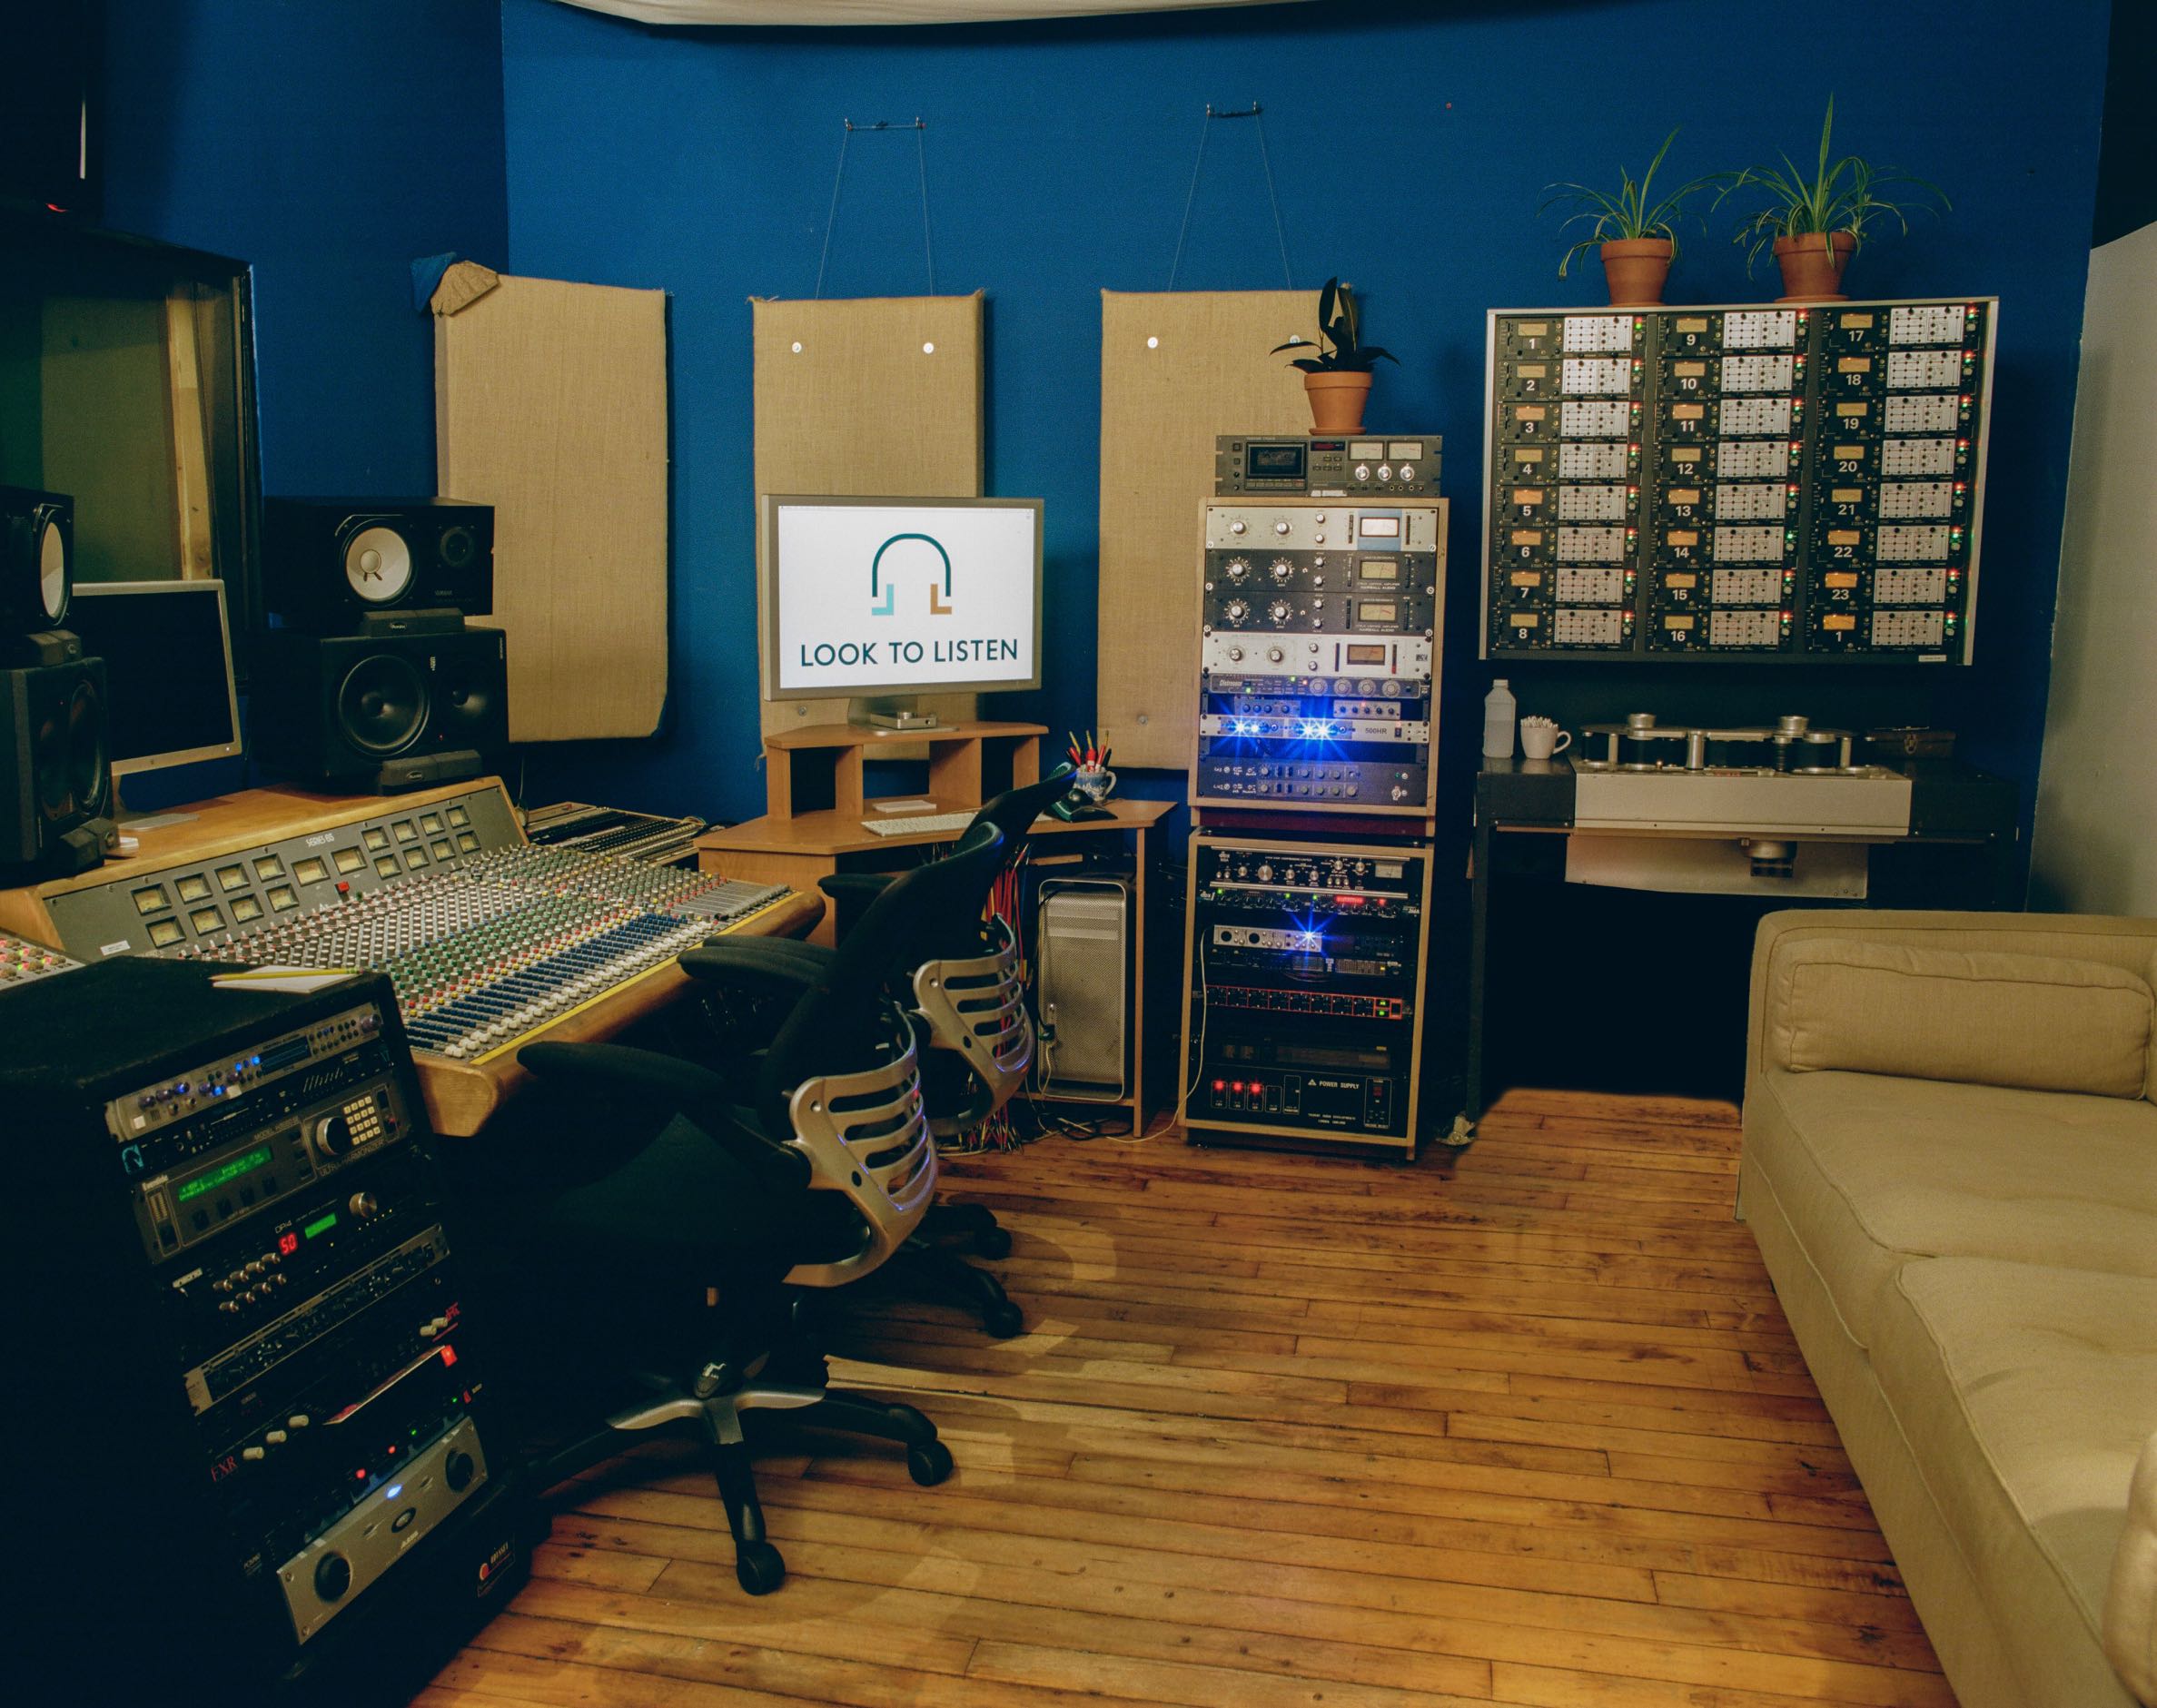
(2040,1022)
(2131,1602)
(2026,1393)
(1871,1170)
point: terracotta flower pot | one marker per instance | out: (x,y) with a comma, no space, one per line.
(1811,269)
(1337,401)
(1635,269)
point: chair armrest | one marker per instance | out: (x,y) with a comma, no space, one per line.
(669,1086)
(851,892)
(1982,999)
(775,967)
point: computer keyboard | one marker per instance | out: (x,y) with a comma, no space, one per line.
(914,824)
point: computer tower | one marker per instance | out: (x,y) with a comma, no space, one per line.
(1083,940)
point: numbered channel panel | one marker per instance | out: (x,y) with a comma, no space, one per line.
(1571,399)
(1791,481)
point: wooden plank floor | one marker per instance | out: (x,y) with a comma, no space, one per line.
(1518,1424)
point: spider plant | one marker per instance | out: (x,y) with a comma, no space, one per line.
(1631,213)
(1849,194)
(1348,354)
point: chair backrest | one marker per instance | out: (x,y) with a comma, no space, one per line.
(842,1075)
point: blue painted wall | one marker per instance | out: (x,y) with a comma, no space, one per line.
(328,142)
(1409,155)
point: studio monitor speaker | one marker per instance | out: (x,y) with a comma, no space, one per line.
(341,566)
(383,711)
(36,559)
(55,774)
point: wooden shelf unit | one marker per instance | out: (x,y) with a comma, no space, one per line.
(822,769)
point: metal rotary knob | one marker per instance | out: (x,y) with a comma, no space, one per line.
(1237,568)
(1235,654)
(1234,611)
(1280,570)
(1273,655)
(1236,527)
(1281,526)
(334,1136)
(1280,610)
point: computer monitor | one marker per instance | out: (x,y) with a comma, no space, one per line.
(168,670)
(879,597)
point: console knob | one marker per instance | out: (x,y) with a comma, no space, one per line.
(334,1135)
(363,1204)
(1280,610)
(332,1576)
(1237,569)
(1273,655)
(458,1470)
(1235,654)
(1234,611)
(1280,570)
(1280,528)
(1236,527)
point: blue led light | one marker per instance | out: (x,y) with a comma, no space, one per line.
(393,1492)
(1316,729)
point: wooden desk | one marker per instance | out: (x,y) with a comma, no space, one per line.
(799,851)
(461,1095)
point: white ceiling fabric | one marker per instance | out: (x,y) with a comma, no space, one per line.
(691,12)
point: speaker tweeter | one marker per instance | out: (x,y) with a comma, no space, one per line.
(352,565)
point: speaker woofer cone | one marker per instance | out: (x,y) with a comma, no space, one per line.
(88,769)
(463,700)
(381,704)
(55,574)
(378,563)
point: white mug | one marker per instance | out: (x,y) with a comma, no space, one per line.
(1540,738)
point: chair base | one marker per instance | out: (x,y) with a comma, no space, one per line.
(921,1268)
(758,1565)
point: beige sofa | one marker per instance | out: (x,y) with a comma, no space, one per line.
(1951,1168)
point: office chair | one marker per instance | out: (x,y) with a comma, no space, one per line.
(972,1002)
(657,1188)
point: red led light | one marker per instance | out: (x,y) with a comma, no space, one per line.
(359,1475)
(449,1356)
(288,1242)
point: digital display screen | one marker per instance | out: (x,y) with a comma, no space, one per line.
(320,1225)
(1380,569)
(247,1163)
(168,667)
(1282,462)
(1366,655)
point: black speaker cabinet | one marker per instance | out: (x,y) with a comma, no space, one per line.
(337,566)
(55,774)
(36,559)
(386,711)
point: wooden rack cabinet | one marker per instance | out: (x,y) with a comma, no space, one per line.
(822,769)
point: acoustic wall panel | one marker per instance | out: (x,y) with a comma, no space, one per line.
(876,397)
(1177,368)
(550,404)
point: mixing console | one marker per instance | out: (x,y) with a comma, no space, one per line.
(609,830)
(510,942)
(21,961)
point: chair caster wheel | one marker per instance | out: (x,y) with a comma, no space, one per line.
(758,1567)
(1003,1321)
(993,1242)
(930,1465)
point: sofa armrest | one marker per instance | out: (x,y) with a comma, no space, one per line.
(2131,1600)
(2042,1003)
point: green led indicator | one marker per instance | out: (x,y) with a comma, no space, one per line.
(216,1178)
(321,1225)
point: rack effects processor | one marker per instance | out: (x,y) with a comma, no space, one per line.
(258,1364)
(1322,629)
(1788,482)
(1307,969)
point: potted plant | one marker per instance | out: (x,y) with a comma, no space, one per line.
(1338,377)
(1638,237)
(1816,224)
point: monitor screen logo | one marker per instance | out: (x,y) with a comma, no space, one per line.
(884,587)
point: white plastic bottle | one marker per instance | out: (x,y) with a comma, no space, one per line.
(1499,709)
